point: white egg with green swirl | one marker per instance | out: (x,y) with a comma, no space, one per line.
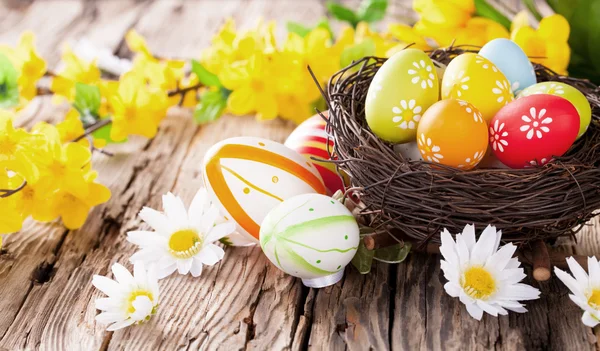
(310,236)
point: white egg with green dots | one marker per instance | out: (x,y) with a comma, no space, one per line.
(312,237)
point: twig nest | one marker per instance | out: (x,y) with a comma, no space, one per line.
(417,198)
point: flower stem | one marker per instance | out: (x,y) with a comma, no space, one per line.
(94,127)
(185,90)
(8,192)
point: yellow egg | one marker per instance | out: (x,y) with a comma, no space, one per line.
(453,133)
(401,90)
(475,79)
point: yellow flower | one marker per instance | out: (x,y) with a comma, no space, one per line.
(64,168)
(32,200)
(407,35)
(251,84)
(314,50)
(71,127)
(385,46)
(26,60)
(137,43)
(476,31)
(228,46)
(548,44)
(20,151)
(74,70)
(11,219)
(444,13)
(294,107)
(74,209)
(138,109)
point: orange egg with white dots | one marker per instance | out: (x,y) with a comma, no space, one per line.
(453,133)
(246,177)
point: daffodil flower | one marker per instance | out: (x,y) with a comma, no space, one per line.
(548,44)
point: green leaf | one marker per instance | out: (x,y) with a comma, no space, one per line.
(342,13)
(324,23)
(531,6)
(483,9)
(104,134)
(363,258)
(372,10)
(9,88)
(87,102)
(295,27)
(393,254)
(211,106)
(357,52)
(204,76)
(584,39)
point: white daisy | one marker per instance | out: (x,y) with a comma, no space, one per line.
(131,299)
(484,278)
(182,240)
(585,288)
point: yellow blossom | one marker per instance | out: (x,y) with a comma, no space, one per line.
(407,35)
(444,13)
(385,46)
(27,61)
(11,219)
(64,168)
(548,44)
(138,109)
(20,151)
(73,209)
(32,200)
(74,70)
(252,90)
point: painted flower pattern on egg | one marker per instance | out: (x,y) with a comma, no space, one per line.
(533,129)
(475,79)
(408,114)
(422,74)
(536,123)
(430,151)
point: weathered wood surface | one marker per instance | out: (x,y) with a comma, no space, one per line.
(46,299)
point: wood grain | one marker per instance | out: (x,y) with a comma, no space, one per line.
(243,302)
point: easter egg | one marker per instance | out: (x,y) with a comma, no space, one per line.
(409,151)
(512,61)
(572,94)
(247,177)
(453,133)
(401,90)
(533,129)
(312,237)
(310,139)
(475,79)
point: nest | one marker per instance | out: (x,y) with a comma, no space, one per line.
(416,200)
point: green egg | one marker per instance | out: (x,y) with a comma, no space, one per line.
(403,88)
(572,94)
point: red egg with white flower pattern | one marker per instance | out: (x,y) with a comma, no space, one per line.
(531,130)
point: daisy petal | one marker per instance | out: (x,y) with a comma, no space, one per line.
(589,320)
(578,272)
(220,231)
(109,317)
(208,220)
(139,237)
(120,325)
(196,269)
(208,256)
(452,289)
(475,311)
(122,275)
(106,285)
(156,220)
(175,209)
(184,266)
(143,308)
(198,206)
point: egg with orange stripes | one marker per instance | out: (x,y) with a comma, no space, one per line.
(248,176)
(310,139)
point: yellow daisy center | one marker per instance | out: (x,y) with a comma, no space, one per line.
(478,283)
(594,299)
(134,295)
(185,243)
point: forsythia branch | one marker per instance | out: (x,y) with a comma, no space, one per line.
(8,192)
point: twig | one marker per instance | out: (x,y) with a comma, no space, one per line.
(94,127)
(9,192)
(185,90)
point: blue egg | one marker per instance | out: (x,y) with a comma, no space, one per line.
(512,61)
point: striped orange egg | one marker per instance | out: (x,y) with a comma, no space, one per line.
(247,177)
(310,139)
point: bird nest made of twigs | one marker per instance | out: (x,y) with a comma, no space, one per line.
(417,199)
